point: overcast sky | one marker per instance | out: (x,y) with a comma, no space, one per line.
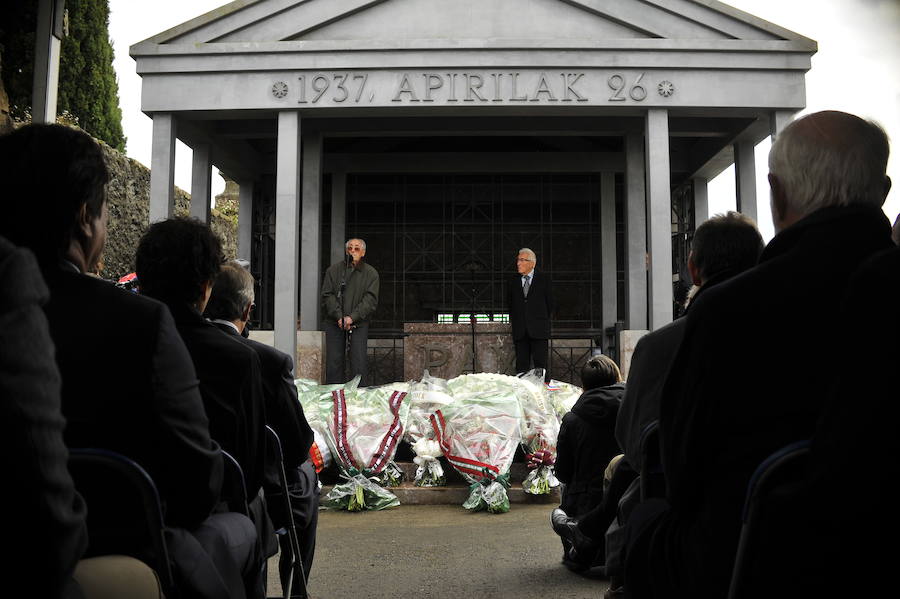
(857,69)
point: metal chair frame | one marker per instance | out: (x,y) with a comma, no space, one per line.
(292,590)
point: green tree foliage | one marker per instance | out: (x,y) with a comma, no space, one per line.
(88,88)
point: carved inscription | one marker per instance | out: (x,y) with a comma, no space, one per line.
(467,87)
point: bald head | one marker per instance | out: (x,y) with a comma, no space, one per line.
(823,159)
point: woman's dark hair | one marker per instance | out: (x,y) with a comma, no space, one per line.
(175,257)
(600,371)
(49,172)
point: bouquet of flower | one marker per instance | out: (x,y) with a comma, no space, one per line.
(310,394)
(562,397)
(426,396)
(363,428)
(540,433)
(478,434)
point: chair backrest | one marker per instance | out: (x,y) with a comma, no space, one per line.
(234,489)
(124,511)
(785,465)
(296,579)
(653,481)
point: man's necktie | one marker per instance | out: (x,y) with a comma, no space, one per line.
(525,286)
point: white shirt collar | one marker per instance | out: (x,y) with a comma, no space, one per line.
(228,322)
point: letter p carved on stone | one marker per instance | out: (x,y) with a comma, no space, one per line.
(436,355)
(433,82)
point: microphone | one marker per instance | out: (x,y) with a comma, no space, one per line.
(348,259)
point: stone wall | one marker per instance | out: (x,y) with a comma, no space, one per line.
(129,209)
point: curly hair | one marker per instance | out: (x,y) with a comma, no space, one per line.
(175,257)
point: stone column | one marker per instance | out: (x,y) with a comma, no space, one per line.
(338,215)
(245,220)
(745,178)
(162,167)
(311,230)
(608,249)
(47,43)
(659,215)
(701,200)
(287,231)
(635,233)
(778,120)
(201,183)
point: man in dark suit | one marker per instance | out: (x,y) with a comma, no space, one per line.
(229,309)
(756,360)
(530,302)
(177,261)
(128,384)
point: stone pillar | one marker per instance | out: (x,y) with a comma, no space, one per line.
(162,167)
(778,120)
(311,230)
(659,216)
(287,231)
(47,43)
(201,183)
(745,178)
(701,200)
(608,249)
(245,220)
(338,215)
(635,233)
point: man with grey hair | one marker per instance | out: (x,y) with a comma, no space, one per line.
(757,354)
(229,308)
(349,300)
(530,303)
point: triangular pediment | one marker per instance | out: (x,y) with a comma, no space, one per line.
(447,23)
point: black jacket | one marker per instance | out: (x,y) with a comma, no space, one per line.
(585,446)
(283,410)
(232,391)
(530,317)
(751,376)
(129,386)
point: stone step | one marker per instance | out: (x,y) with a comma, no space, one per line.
(457,489)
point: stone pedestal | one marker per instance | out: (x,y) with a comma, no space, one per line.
(309,363)
(628,340)
(445,350)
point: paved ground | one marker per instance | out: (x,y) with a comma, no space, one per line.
(414,551)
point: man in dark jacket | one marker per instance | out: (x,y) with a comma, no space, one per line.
(229,308)
(177,261)
(349,299)
(530,301)
(755,362)
(146,405)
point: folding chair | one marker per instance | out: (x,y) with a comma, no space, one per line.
(652,481)
(124,510)
(296,579)
(234,488)
(784,465)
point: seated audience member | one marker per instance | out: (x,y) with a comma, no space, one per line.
(46,529)
(586,444)
(722,247)
(718,418)
(146,404)
(177,262)
(229,308)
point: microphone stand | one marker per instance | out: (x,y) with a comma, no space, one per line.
(347,261)
(472,266)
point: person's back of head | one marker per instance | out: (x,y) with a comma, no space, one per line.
(54,178)
(231,294)
(600,371)
(177,259)
(824,159)
(723,246)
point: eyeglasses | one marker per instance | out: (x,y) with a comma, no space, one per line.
(524,260)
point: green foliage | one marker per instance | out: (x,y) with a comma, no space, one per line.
(88,89)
